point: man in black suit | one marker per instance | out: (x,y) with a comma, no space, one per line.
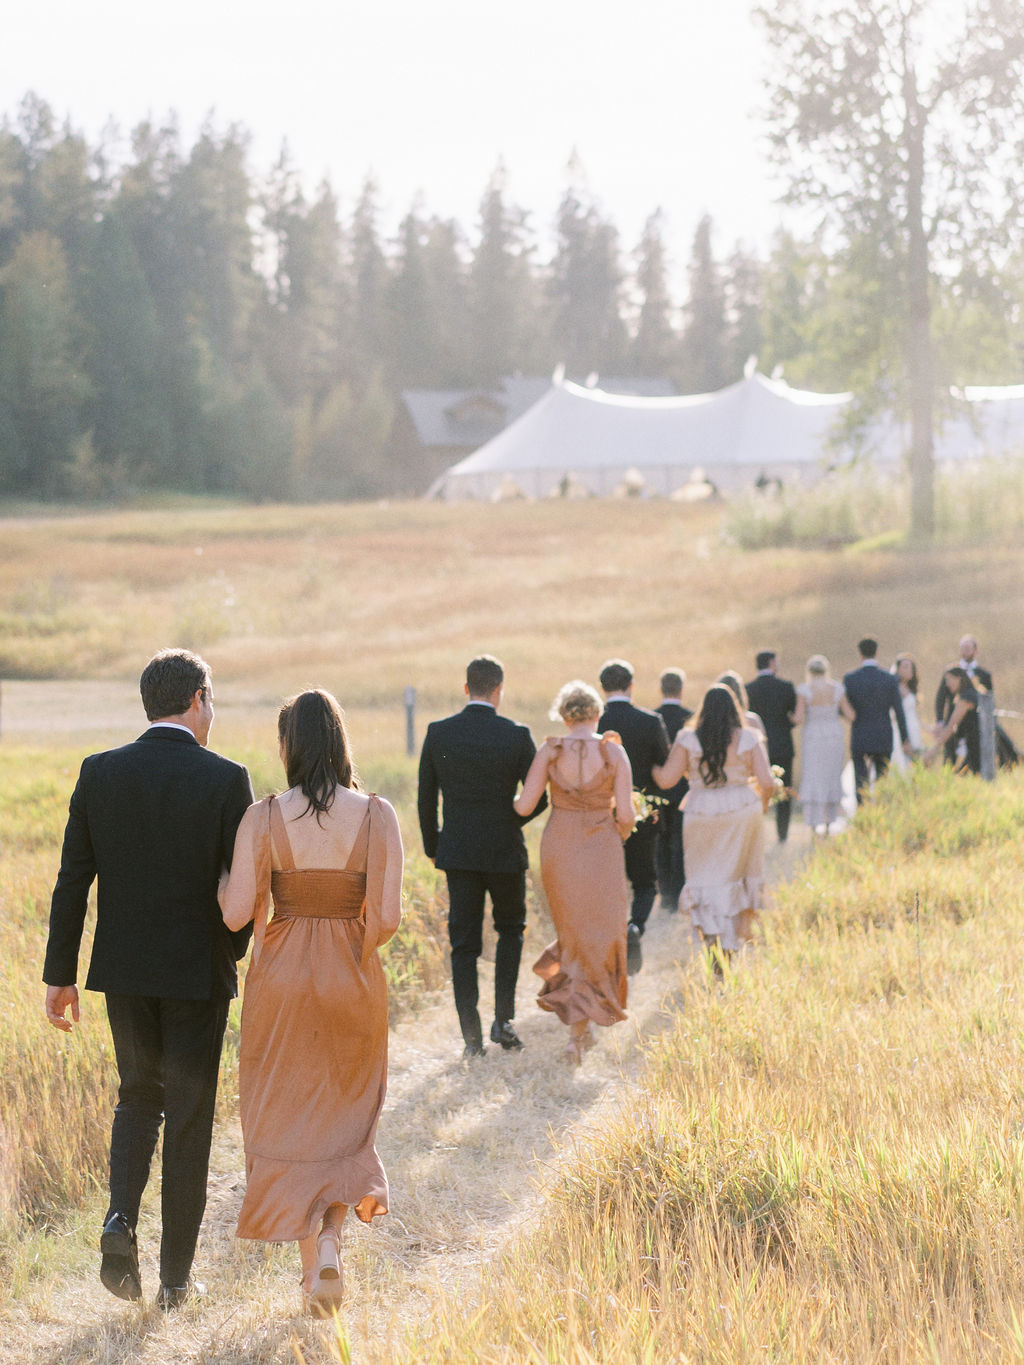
(154,823)
(668,848)
(645,741)
(774,700)
(476,760)
(875,698)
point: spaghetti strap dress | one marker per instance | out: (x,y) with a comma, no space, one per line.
(314,1040)
(583,870)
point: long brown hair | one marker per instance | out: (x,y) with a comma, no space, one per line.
(718,721)
(912,681)
(317,752)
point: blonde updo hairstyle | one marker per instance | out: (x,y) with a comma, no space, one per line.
(576,702)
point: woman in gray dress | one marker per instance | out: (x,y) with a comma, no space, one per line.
(820,702)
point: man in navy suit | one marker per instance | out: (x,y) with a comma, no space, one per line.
(645,741)
(875,698)
(475,760)
(154,824)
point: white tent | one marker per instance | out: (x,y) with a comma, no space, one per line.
(577,441)
(578,438)
(986,421)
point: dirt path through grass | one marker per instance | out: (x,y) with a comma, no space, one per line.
(465,1144)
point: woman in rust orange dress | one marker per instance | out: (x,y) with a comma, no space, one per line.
(582,867)
(313,1060)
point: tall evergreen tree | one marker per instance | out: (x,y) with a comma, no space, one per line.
(744,336)
(502,310)
(367,343)
(409,308)
(211,203)
(444,256)
(703,349)
(42,386)
(654,352)
(129,411)
(585,284)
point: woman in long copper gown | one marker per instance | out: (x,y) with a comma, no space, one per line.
(313,1059)
(582,867)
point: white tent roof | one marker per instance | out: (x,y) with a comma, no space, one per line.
(597,437)
(596,441)
(987,421)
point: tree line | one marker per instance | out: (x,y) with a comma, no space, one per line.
(178,320)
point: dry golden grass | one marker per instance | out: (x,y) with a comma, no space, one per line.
(824,1160)
(367,600)
(819,1163)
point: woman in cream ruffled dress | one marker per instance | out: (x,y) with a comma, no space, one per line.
(731,784)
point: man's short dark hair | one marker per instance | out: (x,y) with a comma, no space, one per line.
(170,680)
(484,675)
(765,658)
(616,675)
(672,682)
(868,648)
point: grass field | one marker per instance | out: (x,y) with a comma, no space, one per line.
(821,1162)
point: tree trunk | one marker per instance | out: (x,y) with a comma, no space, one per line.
(918,343)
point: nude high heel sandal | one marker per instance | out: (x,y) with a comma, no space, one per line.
(328,1283)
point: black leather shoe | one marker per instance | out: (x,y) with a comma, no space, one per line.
(119,1266)
(171,1296)
(634,953)
(506,1035)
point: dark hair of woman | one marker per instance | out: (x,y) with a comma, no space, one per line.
(317,753)
(961,675)
(718,721)
(912,681)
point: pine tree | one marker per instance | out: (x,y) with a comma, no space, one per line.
(585,284)
(655,347)
(502,310)
(42,386)
(703,349)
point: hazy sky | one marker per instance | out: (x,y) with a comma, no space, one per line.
(657,96)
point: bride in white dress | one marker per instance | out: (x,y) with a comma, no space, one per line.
(820,702)
(905,669)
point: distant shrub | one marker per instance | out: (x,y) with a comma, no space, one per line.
(975,500)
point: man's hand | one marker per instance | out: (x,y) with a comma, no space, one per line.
(58,998)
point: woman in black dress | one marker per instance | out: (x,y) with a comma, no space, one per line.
(959,731)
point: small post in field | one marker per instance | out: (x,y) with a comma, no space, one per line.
(410,721)
(987,735)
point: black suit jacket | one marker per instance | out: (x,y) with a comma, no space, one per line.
(774,700)
(675,717)
(154,823)
(942,696)
(475,760)
(644,739)
(875,698)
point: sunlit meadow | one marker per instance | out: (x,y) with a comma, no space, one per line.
(823,1160)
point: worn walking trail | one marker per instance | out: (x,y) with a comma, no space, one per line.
(466,1146)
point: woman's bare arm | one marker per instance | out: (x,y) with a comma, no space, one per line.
(536,780)
(677,765)
(237,892)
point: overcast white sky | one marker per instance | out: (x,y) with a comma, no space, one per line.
(657,96)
